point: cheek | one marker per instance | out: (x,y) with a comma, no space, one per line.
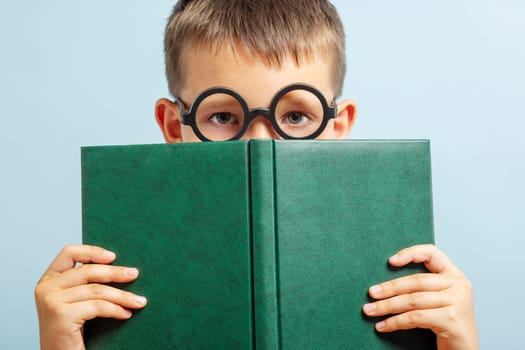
(328,132)
(188,135)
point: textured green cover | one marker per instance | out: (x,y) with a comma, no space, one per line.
(256,244)
(181,215)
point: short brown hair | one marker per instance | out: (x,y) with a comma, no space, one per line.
(271,29)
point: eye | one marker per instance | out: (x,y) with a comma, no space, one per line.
(223,118)
(295,118)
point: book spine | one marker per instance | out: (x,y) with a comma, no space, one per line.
(264,255)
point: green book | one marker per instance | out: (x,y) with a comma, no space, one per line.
(258,244)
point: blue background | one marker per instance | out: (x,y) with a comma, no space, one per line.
(88,73)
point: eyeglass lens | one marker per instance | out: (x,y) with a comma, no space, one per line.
(220,116)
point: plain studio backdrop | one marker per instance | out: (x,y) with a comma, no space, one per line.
(88,73)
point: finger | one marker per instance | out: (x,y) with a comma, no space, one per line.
(114,295)
(70,255)
(420,282)
(435,261)
(88,310)
(92,273)
(407,302)
(434,319)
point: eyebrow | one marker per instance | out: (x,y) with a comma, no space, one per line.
(218,102)
(299,98)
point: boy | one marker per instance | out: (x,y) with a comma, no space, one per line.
(255,49)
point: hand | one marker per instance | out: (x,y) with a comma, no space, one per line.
(440,300)
(68,295)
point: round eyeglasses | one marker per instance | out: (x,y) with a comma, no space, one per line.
(297,111)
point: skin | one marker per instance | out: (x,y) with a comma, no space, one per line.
(72,289)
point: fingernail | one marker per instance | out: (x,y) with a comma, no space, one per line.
(109,255)
(394,258)
(369,308)
(140,300)
(128,313)
(380,325)
(376,290)
(131,272)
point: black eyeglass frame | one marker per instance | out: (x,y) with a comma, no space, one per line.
(188,116)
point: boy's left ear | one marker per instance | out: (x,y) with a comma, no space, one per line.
(343,123)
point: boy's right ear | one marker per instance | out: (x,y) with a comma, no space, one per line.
(168,118)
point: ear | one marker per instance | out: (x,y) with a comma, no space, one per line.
(343,123)
(168,118)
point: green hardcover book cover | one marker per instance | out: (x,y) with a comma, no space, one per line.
(256,244)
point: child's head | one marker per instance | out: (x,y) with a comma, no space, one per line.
(255,48)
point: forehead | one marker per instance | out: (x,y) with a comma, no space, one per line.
(253,76)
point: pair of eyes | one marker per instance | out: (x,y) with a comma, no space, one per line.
(294,118)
